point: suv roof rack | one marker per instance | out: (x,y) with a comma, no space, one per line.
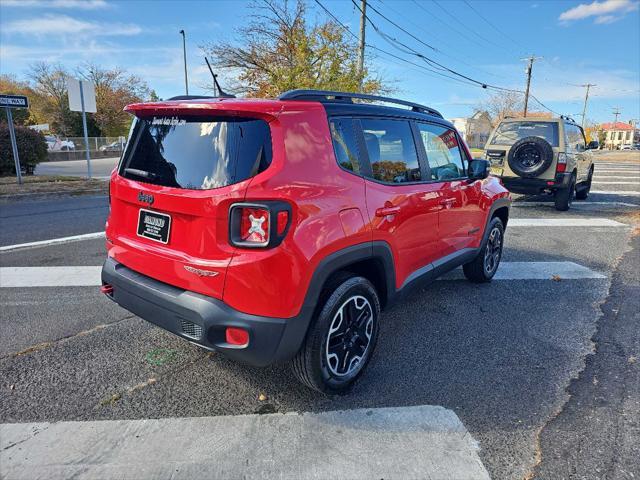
(325,95)
(190,97)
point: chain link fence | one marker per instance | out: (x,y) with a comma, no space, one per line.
(73,148)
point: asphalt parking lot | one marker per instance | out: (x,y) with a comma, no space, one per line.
(510,358)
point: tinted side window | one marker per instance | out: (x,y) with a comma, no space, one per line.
(575,139)
(443,151)
(392,151)
(344,144)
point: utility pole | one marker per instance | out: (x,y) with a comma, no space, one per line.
(363,24)
(184,55)
(616,112)
(586,97)
(531,59)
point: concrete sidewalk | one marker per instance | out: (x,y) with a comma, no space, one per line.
(426,442)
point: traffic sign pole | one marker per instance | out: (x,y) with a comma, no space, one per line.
(84,127)
(14,145)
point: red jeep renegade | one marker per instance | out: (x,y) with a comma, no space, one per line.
(276,230)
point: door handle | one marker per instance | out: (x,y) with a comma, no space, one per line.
(385,211)
(448,201)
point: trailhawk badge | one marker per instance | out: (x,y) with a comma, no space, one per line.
(199,272)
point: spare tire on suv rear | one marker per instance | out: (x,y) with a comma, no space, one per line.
(530,156)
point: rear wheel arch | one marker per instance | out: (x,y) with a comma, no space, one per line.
(373,261)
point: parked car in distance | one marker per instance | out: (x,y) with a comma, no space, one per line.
(534,156)
(116,146)
(277,230)
(55,144)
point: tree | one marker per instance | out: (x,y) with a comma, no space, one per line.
(501,105)
(115,89)
(279,51)
(21,116)
(50,82)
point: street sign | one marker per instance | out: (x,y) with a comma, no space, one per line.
(9,102)
(76,97)
(14,101)
(82,98)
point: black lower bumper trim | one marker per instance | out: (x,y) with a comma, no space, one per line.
(536,185)
(171,308)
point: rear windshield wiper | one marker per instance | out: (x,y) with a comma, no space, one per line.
(141,173)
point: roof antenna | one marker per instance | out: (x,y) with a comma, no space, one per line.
(217,90)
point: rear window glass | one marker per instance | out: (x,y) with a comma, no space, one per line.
(509,133)
(196,152)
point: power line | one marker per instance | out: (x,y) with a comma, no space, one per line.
(508,37)
(470,29)
(401,28)
(432,63)
(449,56)
(410,51)
(422,68)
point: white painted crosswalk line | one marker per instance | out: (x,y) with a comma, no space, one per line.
(564,222)
(404,442)
(53,241)
(25,277)
(597,182)
(618,177)
(633,193)
(50,276)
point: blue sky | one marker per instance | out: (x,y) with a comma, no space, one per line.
(580,42)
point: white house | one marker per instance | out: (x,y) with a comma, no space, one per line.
(474,129)
(619,134)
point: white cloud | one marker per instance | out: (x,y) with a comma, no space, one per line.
(76,4)
(66,25)
(607,11)
(604,19)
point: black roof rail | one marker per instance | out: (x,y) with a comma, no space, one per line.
(566,117)
(190,97)
(325,95)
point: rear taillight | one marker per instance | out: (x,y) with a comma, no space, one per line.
(561,165)
(256,225)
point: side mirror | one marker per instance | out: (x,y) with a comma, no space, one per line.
(592,145)
(479,169)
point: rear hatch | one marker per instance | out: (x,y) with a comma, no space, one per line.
(171,195)
(509,132)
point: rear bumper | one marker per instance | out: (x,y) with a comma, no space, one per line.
(536,185)
(203,320)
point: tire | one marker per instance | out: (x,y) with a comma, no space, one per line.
(326,362)
(582,192)
(482,268)
(530,156)
(563,198)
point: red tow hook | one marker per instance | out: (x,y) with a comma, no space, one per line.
(107,289)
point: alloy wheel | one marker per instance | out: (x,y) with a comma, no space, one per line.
(349,337)
(493,251)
